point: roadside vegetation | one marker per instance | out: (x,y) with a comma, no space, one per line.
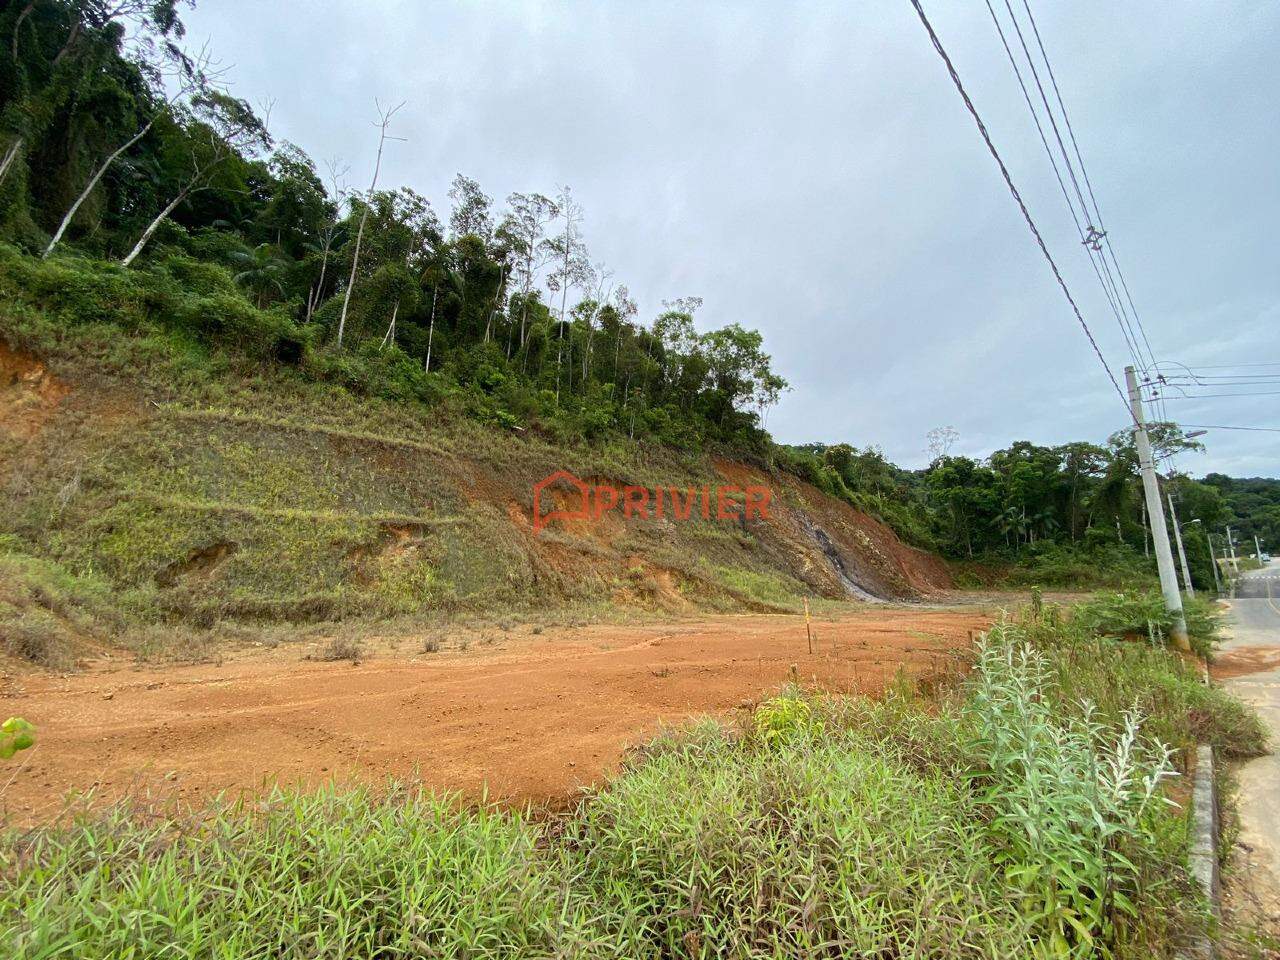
(1070,516)
(1027,812)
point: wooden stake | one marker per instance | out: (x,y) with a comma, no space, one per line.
(808,629)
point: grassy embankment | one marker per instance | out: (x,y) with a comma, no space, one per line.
(1026,813)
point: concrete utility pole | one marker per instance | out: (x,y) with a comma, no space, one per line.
(1182,554)
(1213,562)
(1257,547)
(1231,546)
(1155,514)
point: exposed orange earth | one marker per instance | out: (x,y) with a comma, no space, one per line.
(532,717)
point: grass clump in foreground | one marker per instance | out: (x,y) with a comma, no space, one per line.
(1014,820)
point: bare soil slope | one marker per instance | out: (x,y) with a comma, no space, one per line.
(283,501)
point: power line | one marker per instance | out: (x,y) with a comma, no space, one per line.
(1086,238)
(1221,366)
(1209,396)
(1238,381)
(1218,426)
(1085,173)
(1013,190)
(1101,239)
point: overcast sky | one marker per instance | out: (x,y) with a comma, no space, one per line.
(809,170)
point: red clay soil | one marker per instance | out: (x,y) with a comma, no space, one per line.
(1242,661)
(533,718)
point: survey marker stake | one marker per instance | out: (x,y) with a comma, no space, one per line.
(808,630)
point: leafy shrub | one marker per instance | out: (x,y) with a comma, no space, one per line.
(1070,800)
(815,846)
(1064,566)
(341,648)
(1119,675)
(779,719)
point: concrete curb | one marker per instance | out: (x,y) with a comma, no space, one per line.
(1203,858)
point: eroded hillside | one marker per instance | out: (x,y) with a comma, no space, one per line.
(258,501)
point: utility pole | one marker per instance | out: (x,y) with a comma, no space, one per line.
(1231,546)
(1213,562)
(1146,539)
(1257,547)
(1155,514)
(1182,554)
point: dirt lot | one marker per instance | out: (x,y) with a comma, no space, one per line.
(532,717)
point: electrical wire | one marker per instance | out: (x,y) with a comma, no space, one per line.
(1209,396)
(1112,294)
(1126,330)
(1222,366)
(1084,172)
(1022,206)
(1218,426)
(1105,247)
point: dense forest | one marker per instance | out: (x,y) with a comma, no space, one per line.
(122,147)
(1068,513)
(135,190)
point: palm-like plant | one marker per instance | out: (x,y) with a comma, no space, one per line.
(262,270)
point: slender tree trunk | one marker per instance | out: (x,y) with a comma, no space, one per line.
(154,226)
(493,307)
(431,328)
(313,302)
(511,336)
(10,156)
(617,350)
(66,47)
(17,25)
(524,315)
(93,182)
(355,257)
(564,301)
(391,328)
(351,281)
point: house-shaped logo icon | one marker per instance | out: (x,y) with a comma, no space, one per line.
(583,491)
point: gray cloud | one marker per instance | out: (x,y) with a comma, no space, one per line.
(808,170)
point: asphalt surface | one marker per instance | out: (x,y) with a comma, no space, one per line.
(1254,633)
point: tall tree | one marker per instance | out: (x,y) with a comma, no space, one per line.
(382,123)
(186,77)
(571,267)
(523,229)
(227,128)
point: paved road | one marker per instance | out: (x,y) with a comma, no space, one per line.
(1254,637)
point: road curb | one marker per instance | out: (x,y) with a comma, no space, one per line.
(1205,834)
(1203,858)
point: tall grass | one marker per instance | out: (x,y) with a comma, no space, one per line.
(328,874)
(1142,613)
(816,845)
(1025,816)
